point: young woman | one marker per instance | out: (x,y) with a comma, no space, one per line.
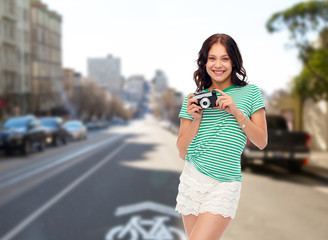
(211,140)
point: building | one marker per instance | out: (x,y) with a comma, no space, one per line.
(134,93)
(134,89)
(46,54)
(86,80)
(106,72)
(77,79)
(69,81)
(290,107)
(14,56)
(23,87)
(160,82)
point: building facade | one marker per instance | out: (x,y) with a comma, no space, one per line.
(9,83)
(134,88)
(23,87)
(160,82)
(46,58)
(69,78)
(106,72)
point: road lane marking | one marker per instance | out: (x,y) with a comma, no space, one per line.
(52,164)
(28,220)
(138,227)
(37,164)
(148,205)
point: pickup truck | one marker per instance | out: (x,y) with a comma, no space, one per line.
(289,149)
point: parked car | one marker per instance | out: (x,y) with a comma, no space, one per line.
(58,134)
(77,130)
(22,133)
(91,125)
(286,148)
(97,124)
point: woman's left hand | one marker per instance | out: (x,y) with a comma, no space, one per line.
(225,102)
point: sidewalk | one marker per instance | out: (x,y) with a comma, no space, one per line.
(318,164)
(318,158)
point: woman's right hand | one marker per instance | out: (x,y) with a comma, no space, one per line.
(194,110)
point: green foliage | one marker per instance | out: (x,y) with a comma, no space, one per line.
(303,21)
(300,19)
(312,82)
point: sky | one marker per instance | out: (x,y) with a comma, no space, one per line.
(150,35)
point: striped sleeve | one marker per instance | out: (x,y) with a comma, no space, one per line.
(184,113)
(257,101)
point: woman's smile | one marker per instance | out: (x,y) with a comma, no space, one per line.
(219,72)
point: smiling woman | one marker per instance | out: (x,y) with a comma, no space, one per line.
(211,139)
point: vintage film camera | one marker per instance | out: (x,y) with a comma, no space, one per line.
(206,100)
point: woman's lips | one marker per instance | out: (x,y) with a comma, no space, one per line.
(218,73)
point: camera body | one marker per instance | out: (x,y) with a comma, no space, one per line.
(206,99)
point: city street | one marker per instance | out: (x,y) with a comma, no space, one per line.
(121,183)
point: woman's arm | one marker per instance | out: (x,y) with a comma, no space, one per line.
(255,128)
(188,130)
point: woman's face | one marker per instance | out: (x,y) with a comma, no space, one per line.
(219,66)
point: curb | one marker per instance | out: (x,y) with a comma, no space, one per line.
(316,171)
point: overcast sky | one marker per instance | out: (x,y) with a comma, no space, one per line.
(167,34)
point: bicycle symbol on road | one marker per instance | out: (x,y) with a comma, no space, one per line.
(148,229)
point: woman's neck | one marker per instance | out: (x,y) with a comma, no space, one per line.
(220,86)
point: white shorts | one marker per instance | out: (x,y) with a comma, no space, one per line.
(199,193)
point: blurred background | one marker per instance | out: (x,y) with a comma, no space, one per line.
(90,93)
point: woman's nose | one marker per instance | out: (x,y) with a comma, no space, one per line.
(218,64)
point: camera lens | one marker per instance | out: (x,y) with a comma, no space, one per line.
(204,103)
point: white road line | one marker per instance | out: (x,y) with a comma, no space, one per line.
(28,220)
(37,164)
(47,166)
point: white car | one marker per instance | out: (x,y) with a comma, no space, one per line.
(77,130)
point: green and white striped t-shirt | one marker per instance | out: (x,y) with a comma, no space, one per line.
(219,143)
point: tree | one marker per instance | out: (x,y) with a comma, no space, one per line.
(303,21)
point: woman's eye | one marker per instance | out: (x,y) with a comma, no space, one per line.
(211,58)
(225,59)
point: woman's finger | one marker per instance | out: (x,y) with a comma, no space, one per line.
(194,106)
(191,101)
(224,104)
(220,91)
(219,100)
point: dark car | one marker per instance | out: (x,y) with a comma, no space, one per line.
(58,134)
(22,133)
(76,129)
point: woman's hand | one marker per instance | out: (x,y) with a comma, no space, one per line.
(225,102)
(194,110)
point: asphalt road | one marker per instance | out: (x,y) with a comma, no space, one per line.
(121,183)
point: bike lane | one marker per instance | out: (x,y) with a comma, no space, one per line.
(146,207)
(116,202)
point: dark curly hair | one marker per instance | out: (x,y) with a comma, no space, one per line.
(238,74)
